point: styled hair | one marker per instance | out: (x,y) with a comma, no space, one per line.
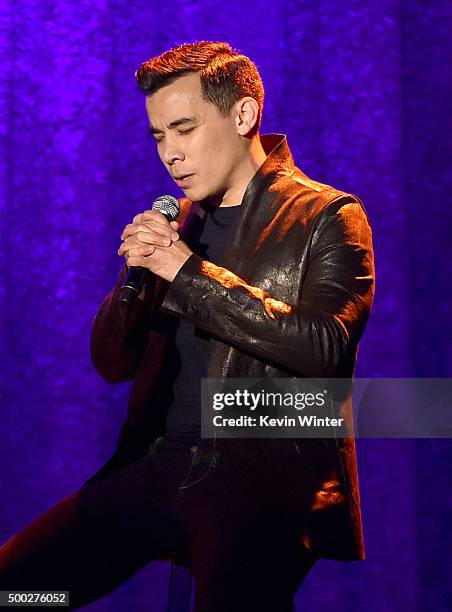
(226,75)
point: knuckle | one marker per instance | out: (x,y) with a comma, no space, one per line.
(138,232)
(133,227)
(143,236)
(149,224)
(146,214)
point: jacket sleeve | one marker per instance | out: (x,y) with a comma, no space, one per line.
(120,333)
(310,336)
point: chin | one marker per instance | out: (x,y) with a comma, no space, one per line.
(193,195)
(188,193)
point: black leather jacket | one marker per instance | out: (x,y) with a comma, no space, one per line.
(296,304)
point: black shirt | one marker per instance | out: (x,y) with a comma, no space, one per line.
(184,414)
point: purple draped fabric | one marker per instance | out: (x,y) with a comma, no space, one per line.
(363,91)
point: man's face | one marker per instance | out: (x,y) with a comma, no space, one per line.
(193,138)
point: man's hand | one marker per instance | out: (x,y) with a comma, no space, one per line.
(151,241)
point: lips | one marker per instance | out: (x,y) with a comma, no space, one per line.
(183,180)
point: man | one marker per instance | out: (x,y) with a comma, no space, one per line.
(265,274)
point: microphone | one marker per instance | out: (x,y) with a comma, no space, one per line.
(136,276)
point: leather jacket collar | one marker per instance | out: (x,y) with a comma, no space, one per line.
(279,157)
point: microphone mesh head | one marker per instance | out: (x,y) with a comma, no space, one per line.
(168,205)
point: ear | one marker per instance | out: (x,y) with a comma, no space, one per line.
(247,113)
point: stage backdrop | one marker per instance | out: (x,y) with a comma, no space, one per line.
(362,89)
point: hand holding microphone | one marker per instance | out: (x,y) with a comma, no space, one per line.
(151,244)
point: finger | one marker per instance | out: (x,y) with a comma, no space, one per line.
(138,260)
(174,235)
(152,238)
(157,228)
(128,230)
(126,246)
(141,251)
(162,230)
(146,248)
(134,261)
(154,215)
(143,239)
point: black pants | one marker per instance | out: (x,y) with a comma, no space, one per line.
(176,502)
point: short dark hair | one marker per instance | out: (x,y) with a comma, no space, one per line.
(226,75)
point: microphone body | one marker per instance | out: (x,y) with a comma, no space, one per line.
(137,275)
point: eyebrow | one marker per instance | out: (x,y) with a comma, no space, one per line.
(173,124)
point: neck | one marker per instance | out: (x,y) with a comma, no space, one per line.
(253,159)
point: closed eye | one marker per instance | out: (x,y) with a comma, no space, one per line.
(159,138)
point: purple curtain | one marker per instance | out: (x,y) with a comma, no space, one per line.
(362,89)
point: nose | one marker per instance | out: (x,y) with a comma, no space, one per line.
(172,151)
